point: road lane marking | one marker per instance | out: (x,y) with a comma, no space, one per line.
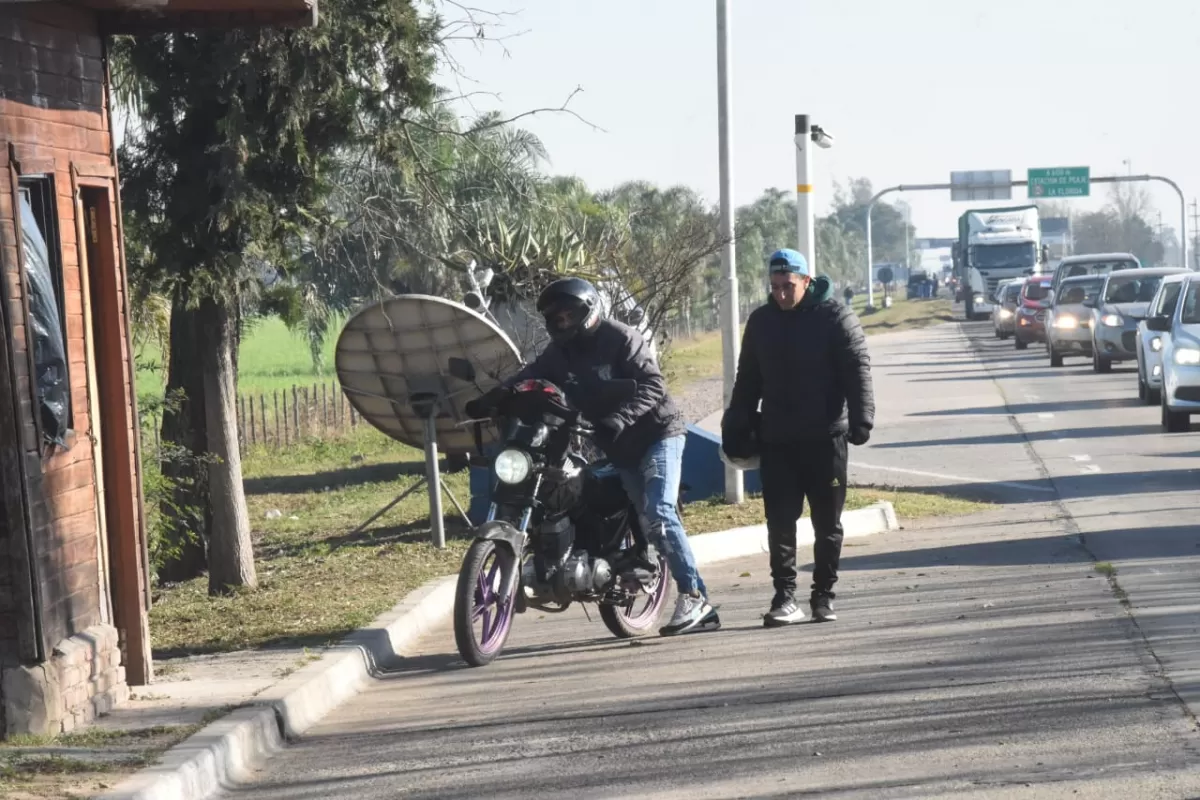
(1090,469)
(1046,415)
(1082,458)
(1029,487)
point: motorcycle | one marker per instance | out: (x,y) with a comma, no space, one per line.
(560,529)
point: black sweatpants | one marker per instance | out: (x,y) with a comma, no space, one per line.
(815,469)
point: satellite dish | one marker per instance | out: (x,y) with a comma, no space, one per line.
(406,354)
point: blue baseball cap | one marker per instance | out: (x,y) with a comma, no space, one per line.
(787,260)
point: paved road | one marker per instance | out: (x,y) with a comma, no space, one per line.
(985,659)
(965,413)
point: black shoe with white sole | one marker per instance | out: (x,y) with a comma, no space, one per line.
(784,611)
(822,609)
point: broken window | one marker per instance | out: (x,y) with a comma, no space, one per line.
(47,318)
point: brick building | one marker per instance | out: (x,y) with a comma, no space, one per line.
(74,585)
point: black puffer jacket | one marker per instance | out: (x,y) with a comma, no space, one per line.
(810,368)
(614,351)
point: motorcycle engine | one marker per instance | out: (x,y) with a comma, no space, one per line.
(581,574)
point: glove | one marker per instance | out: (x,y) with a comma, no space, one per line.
(476,408)
(482,407)
(611,427)
(859,435)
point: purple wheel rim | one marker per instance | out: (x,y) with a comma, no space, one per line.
(654,603)
(495,615)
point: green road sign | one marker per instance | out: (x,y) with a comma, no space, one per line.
(1059,182)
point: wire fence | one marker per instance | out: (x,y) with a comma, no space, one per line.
(284,417)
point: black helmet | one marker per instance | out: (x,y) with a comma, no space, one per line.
(570,306)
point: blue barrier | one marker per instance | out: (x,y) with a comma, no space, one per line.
(704,471)
(703,475)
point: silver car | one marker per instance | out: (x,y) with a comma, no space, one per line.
(1116,311)
(1150,343)
(1180,357)
(1069,320)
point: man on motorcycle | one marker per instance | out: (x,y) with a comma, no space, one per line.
(643,436)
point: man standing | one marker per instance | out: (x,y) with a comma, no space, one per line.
(804,356)
(643,436)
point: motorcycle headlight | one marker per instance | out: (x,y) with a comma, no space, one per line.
(1066,321)
(513,466)
(1112,320)
(978,299)
(1187,356)
(1156,343)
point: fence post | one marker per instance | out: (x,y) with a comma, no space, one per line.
(275,392)
(240,410)
(324,408)
(253,428)
(295,413)
(262,405)
(285,418)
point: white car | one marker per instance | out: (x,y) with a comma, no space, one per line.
(1180,332)
(1149,343)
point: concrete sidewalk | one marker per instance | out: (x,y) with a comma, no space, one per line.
(984,658)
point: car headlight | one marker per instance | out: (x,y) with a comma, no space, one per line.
(1156,343)
(978,299)
(1066,321)
(1187,356)
(513,466)
(1112,320)
(1005,313)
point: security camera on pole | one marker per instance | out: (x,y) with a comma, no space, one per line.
(806,136)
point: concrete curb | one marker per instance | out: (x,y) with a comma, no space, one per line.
(752,539)
(227,750)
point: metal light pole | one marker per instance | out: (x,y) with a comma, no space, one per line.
(729,317)
(805,232)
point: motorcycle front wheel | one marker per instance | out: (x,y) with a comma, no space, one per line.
(481,619)
(641,614)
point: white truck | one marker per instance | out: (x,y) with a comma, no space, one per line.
(994,245)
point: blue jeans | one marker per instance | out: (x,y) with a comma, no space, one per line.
(653,487)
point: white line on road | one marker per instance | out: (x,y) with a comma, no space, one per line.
(1090,469)
(1082,458)
(1029,487)
(1046,415)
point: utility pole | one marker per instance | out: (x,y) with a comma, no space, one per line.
(729,323)
(1195,235)
(804,218)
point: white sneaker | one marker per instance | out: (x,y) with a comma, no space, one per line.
(691,612)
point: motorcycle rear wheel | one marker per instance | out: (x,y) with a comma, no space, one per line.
(477,600)
(641,615)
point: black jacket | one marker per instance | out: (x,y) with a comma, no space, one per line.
(810,368)
(614,351)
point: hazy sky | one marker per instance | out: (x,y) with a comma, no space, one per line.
(910,89)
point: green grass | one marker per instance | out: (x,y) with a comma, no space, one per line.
(715,515)
(80,764)
(318,578)
(270,357)
(689,360)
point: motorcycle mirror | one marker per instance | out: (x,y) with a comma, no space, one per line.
(461,368)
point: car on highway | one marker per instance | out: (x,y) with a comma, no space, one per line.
(1149,343)
(1093,264)
(1116,311)
(1036,297)
(1069,320)
(1180,331)
(1004,312)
